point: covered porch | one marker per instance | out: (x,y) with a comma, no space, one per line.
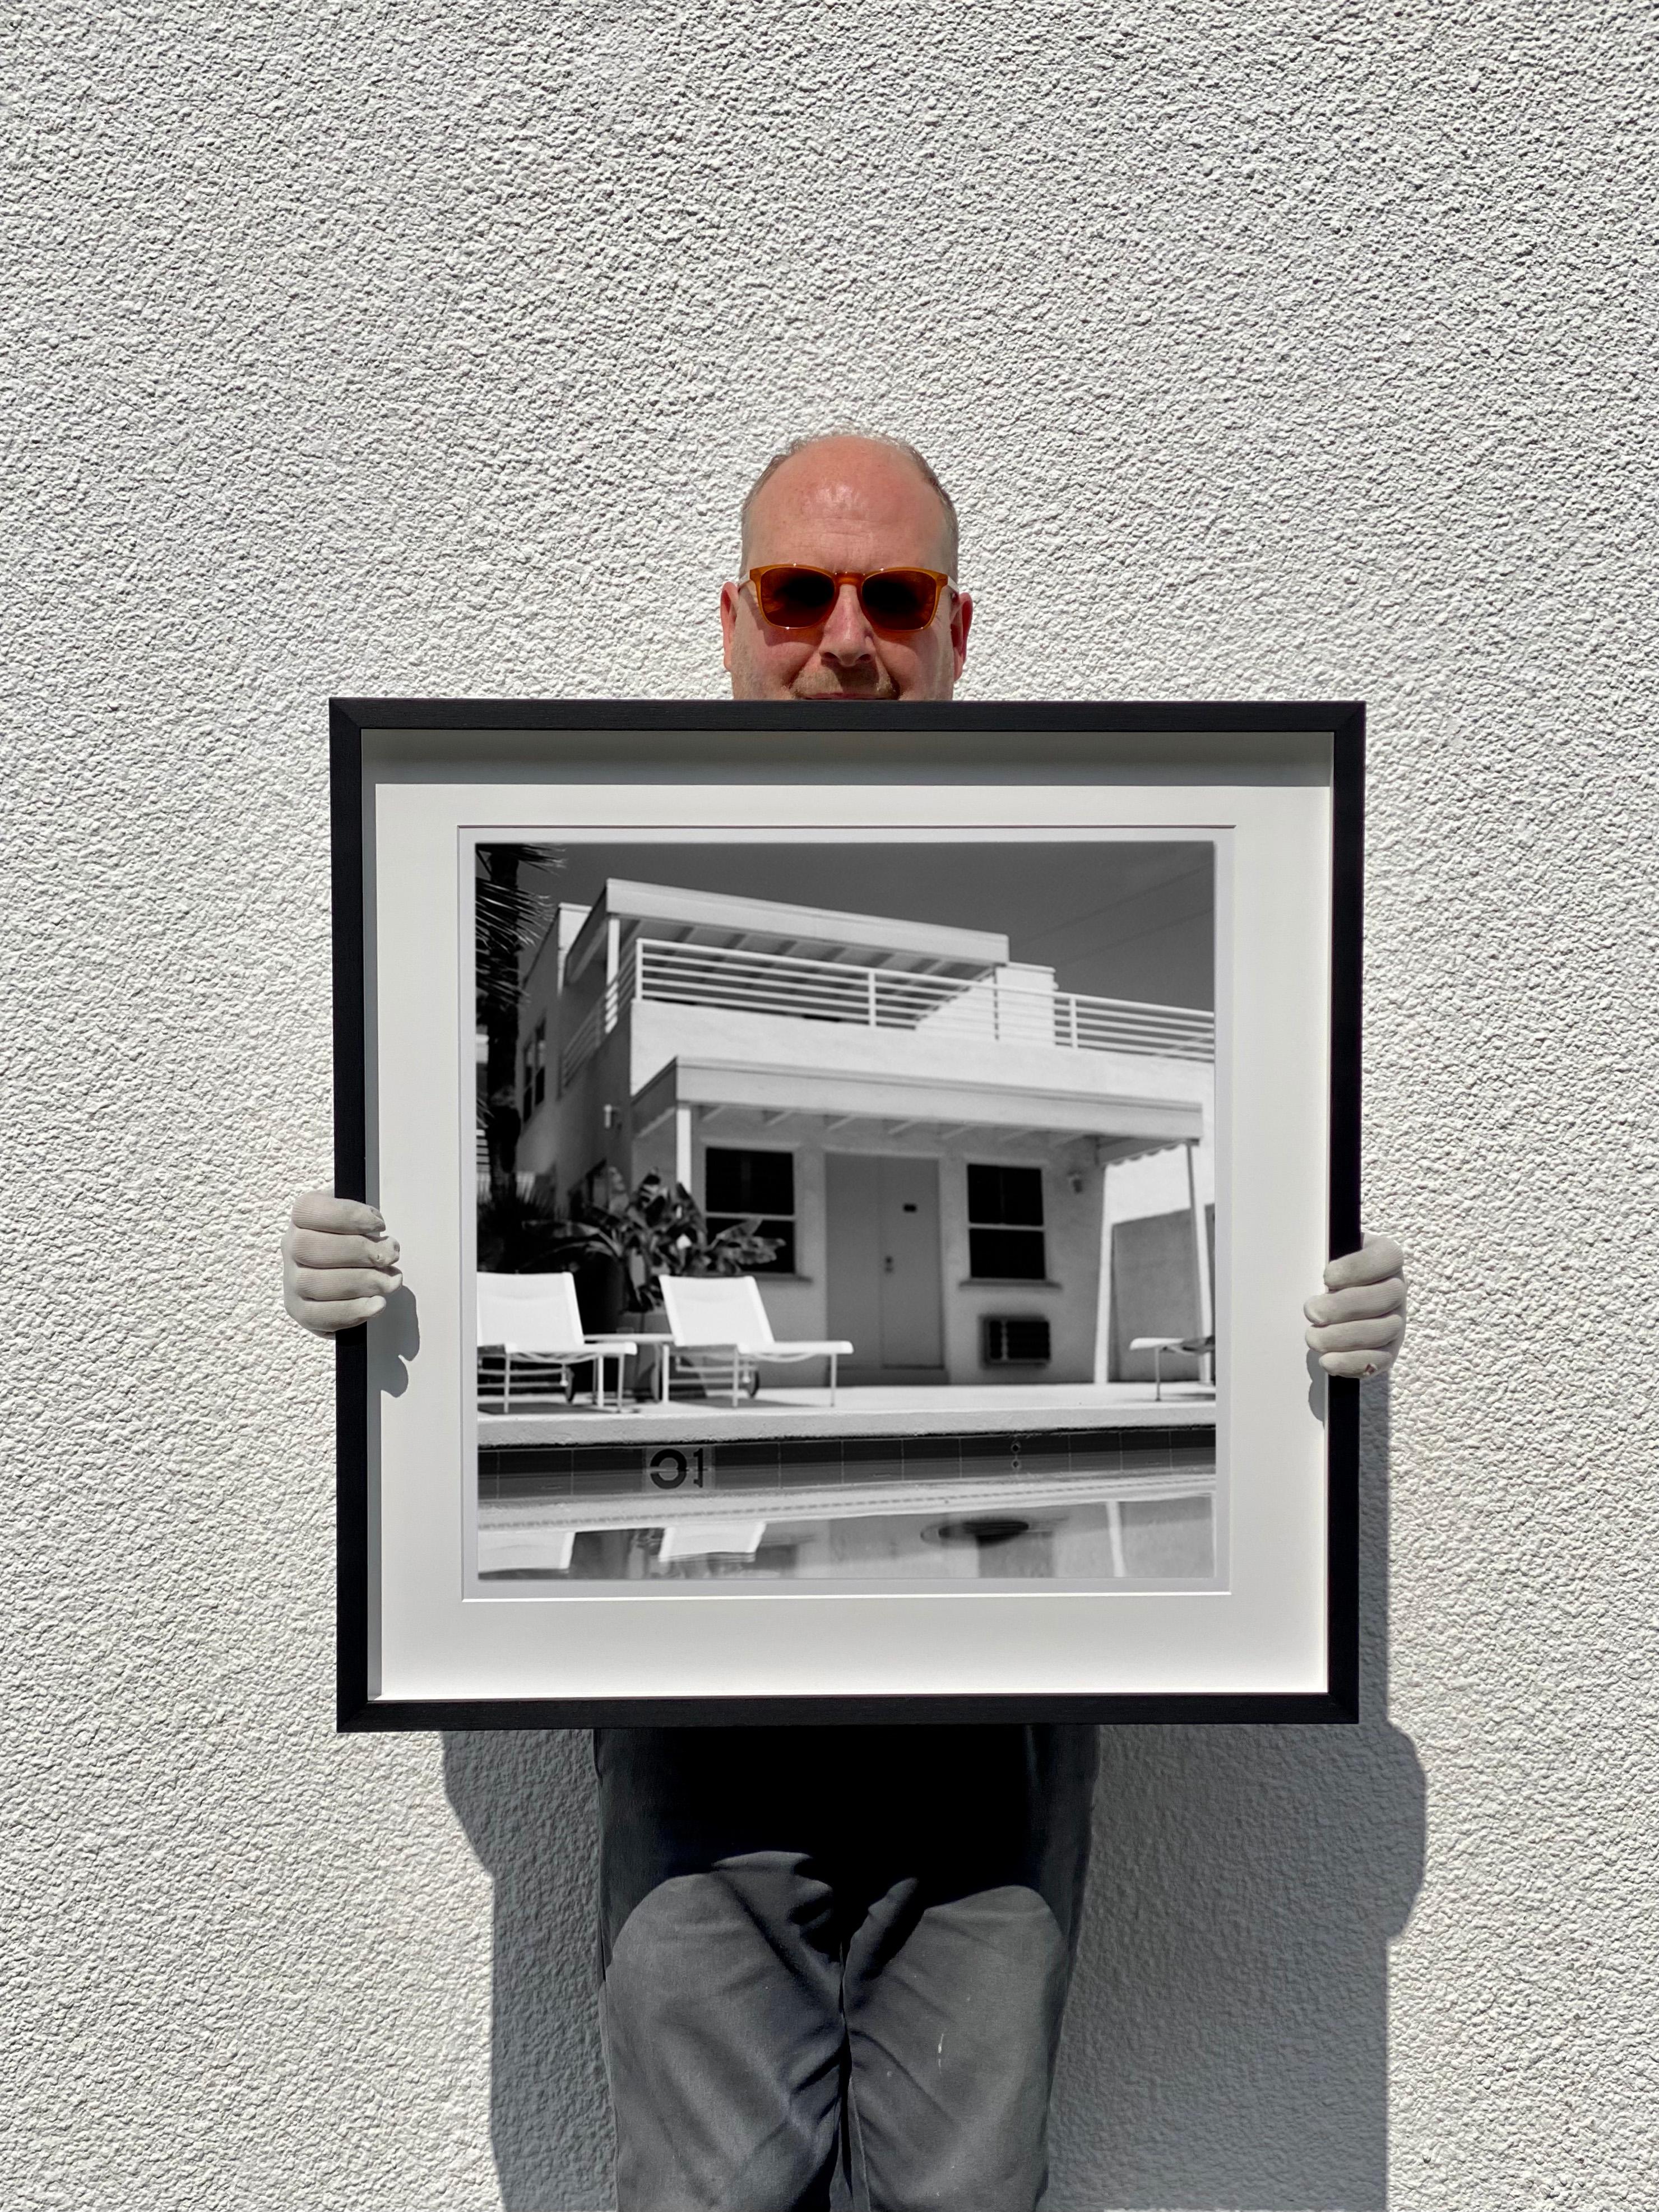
(889,1245)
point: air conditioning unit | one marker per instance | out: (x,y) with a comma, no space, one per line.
(1013,1340)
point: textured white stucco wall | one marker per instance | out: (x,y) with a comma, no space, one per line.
(427,348)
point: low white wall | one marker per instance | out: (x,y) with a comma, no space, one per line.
(1270,351)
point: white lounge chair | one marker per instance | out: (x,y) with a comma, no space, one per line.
(1202,1347)
(535,1319)
(723,1314)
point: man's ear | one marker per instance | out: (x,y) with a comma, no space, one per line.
(962,616)
(728,622)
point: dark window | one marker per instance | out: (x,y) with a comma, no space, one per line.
(737,1185)
(1005,1223)
(532,1076)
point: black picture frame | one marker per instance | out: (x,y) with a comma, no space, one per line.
(719,735)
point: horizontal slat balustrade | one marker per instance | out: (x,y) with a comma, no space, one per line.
(990,1007)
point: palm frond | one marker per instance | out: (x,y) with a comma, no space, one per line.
(509,918)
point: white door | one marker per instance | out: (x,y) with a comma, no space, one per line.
(884,1261)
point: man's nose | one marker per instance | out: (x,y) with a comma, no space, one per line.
(846,628)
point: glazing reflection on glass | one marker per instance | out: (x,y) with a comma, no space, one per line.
(1134,1506)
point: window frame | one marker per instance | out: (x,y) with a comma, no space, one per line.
(787,1262)
(1038,1229)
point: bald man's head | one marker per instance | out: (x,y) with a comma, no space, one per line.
(846,444)
(848,505)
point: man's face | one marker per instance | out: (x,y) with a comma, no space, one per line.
(847,506)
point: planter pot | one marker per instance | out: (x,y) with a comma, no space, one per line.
(602,1289)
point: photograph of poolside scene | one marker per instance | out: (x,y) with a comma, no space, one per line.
(846,1211)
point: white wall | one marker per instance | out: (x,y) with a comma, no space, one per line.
(429,349)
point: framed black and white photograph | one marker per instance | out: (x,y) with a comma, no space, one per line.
(858,1172)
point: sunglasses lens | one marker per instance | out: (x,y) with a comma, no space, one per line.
(792,598)
(900,599)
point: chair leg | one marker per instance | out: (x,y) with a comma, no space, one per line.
(834,1357)
(507,1381)
(737,1362)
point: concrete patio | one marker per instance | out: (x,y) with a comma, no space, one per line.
(915,1411)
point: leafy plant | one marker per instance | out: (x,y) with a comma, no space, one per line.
(520,1235)
(661,1230)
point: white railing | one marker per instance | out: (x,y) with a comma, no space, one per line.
(997,1008)
(584,1041)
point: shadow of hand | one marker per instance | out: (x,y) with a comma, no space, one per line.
(395,1343)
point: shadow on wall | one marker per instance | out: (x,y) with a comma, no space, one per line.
(526,1799)
(1226,2043)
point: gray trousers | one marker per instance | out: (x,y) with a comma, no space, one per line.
(834,1962)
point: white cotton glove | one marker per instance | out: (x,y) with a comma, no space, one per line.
(339,1266)
(1359,1323)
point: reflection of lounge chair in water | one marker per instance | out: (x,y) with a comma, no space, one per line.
(535,1319)
(721,1317)
(1201,1346)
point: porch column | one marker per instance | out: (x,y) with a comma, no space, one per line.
(682,1146)
(1201,1258)
(612,963)
(1103,1294)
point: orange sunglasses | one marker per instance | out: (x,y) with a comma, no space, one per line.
(795,598)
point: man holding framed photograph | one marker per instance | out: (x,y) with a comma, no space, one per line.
(835,1959)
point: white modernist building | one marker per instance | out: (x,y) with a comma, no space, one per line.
(973,1176)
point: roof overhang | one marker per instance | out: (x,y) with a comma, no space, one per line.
(774,925)
(1135,1124)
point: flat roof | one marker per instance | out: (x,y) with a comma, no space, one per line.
(771,925)
(918,1099)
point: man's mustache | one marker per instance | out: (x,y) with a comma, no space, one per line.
(820,683)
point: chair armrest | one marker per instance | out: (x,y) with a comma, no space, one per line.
(794,1348)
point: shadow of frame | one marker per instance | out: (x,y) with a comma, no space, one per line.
(526,1799)
(1226,2041)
